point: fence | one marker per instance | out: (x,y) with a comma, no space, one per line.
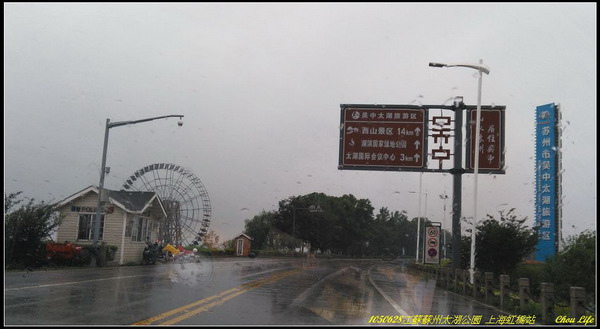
(498,293)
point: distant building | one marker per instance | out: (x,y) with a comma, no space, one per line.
(128,218)
(242,244)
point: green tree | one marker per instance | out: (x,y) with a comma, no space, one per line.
(26,228)
(575,265)
(259,229)
(341,226)
(392,232)
(500,244)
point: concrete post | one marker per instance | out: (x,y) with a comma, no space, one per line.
(547,297)
(523,293)
(465,277)
(577,301)
(457,275)
(477,285)
(504,291)
(489,286)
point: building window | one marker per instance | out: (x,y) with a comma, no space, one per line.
(141,228)
(86,227)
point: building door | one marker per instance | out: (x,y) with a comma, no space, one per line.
(240,247)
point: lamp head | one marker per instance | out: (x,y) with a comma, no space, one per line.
(180,123)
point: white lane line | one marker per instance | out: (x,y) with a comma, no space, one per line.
(268,271)
(75,282)
(300,299)
(389,300)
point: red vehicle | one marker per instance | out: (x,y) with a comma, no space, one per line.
(63,252)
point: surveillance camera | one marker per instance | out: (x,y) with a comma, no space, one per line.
(180,123)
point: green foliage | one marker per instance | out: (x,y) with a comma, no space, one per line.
(346,227)
(533,271)
(25,230)
(259,228)
(340,227)
(501,244)
(574,266)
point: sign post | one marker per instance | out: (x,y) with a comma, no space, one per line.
(432,244)
(395,138)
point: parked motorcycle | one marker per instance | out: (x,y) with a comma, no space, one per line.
(152,252)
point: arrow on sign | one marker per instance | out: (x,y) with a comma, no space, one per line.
(417,143)
(417,131)
(417,156)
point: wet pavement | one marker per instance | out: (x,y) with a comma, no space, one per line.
(232,291)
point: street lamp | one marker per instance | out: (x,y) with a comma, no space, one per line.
(419,220)
(482,69)
(103,168)
(312,209)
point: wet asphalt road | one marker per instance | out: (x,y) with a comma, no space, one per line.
(229,291)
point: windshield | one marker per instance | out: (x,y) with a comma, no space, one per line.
(299,163)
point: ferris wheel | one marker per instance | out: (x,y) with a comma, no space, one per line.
(184,197)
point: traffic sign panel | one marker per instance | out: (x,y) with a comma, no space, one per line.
(432,245)
(491,139)
(381,137)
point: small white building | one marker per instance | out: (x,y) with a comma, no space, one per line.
(128,218)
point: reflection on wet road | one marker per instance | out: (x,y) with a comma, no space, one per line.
(278,291)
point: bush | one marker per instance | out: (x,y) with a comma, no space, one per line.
(533,271)
(574,266)
(25,231)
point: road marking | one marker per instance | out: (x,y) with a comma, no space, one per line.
(397,307)
(199,306)
(76,282)
(315,286)
(264,272)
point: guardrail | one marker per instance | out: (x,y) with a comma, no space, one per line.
(498,293)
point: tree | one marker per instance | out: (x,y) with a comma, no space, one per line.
(25,230)
(575,265)
(500,244)
(211,240)
(259,229)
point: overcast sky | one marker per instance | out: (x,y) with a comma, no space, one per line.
(260,86)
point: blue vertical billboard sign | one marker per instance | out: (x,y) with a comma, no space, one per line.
(547,180)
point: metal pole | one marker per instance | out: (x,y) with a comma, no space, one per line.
(475,173)
(457,183)
(101,186)
(424,219)
(293,231)
(109,125)
(419,219)
(444,197)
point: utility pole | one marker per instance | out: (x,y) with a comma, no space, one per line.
(457,173)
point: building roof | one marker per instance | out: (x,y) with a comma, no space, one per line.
(132,202)
(239,235)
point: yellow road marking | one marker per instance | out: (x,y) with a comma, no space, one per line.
(190,310)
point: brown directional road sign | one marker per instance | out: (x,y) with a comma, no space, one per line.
(382,137)
(491,139)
